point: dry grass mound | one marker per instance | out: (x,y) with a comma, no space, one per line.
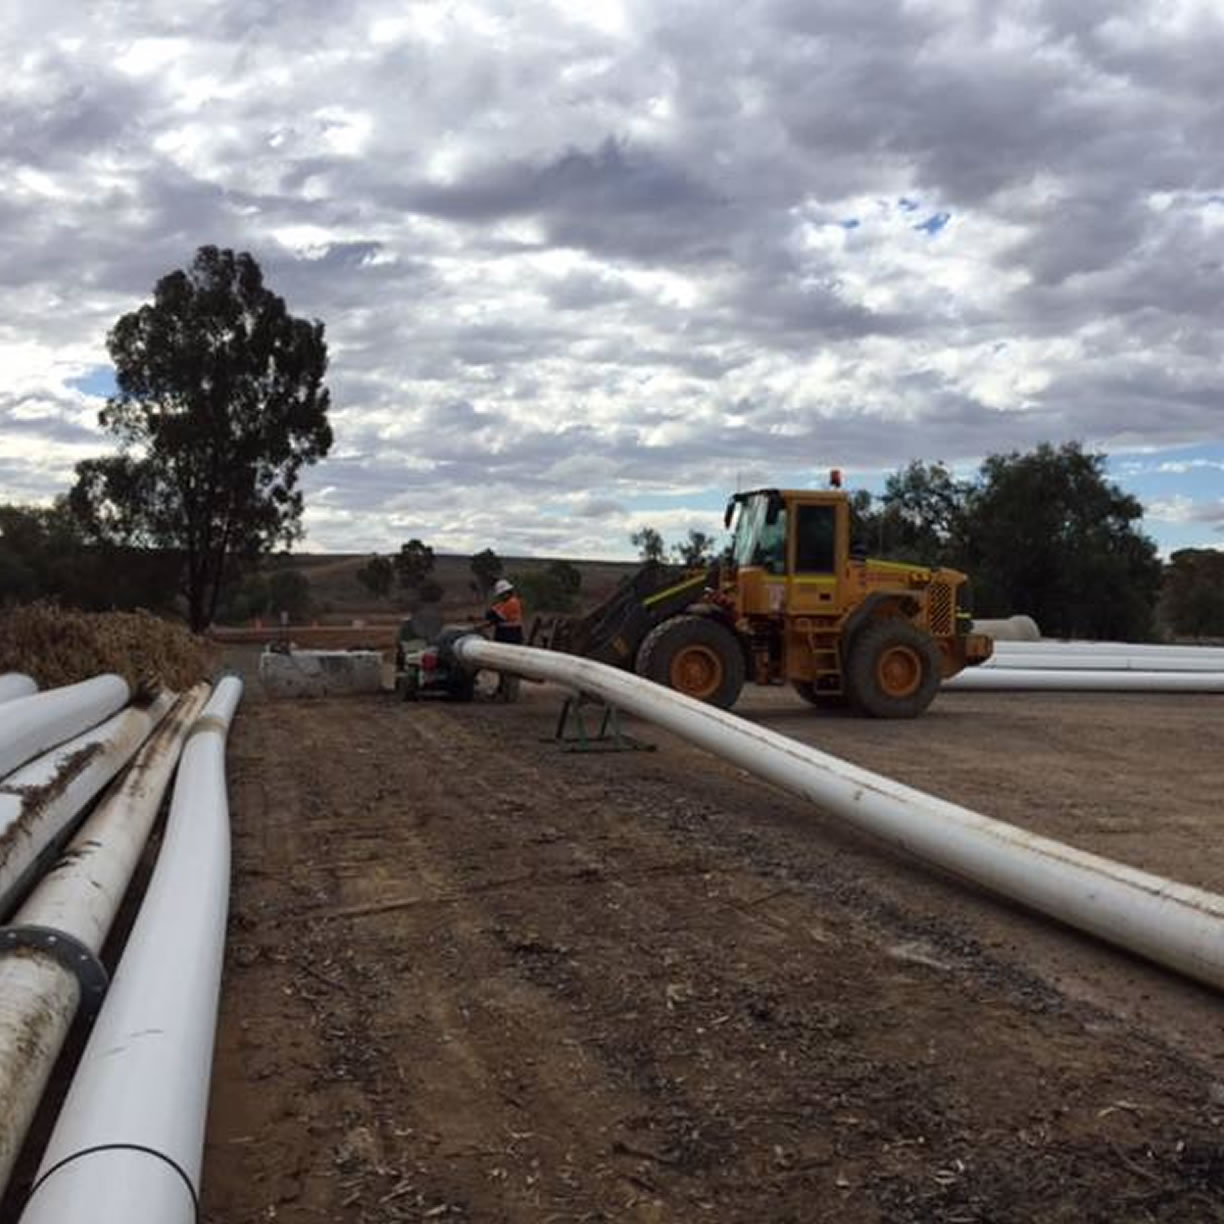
(57,646)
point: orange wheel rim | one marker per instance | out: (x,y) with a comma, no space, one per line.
(697,671)
(899,671)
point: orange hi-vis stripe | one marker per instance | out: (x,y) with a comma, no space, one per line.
(511,611)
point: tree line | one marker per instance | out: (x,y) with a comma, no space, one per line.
(220,403)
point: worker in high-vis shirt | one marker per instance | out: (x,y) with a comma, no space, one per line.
(505,614)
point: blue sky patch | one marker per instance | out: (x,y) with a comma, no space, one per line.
(934,223)
(99,382)
(1182,491)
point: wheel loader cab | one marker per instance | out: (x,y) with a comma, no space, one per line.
(789,552)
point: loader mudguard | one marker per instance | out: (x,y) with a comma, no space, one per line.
(871,607)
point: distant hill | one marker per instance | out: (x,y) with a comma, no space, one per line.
(337,596)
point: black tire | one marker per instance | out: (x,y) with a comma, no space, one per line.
(696,656)
(462,686)
(893,670)
(407,686)
(814,697)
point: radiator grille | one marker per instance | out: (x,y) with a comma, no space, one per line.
(941,609)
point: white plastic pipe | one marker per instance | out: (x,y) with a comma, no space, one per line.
(129,1140)
(1155,650)
(40,802)
(1100,660)
(76,903)
(30,725)
(15,684)
(1167,922)
(1085,681)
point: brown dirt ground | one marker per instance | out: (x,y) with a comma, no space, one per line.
(474,977)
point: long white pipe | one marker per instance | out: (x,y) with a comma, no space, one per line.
(1100,660)
(1170,923)
(129,1140)
(1085,680)
(1155,650)
(16,684)
(40,801)
(74,905)
(30,725)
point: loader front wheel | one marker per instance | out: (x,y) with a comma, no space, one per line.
(696,656)
(893,671)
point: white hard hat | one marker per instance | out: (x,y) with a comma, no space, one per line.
(501,586)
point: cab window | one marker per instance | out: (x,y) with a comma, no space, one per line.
(770,551)
(757,541)
(815,540)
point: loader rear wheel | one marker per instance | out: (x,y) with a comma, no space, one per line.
(696,656)
(893,671)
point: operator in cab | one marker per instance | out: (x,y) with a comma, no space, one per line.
(505,614)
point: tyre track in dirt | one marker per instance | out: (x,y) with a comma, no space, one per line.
(473,978)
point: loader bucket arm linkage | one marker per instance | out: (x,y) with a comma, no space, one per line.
(612,631)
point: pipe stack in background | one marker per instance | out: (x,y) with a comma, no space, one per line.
(14,684)
(58,750)
(1096,667)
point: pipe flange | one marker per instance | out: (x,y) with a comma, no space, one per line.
(68,952)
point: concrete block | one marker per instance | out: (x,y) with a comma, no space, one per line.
(321,673)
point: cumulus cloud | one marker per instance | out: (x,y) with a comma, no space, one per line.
(571,257)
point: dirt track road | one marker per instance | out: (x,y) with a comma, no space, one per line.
(472,977)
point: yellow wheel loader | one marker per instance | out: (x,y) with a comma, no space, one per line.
(791,602)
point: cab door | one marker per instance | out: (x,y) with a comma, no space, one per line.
(815,563)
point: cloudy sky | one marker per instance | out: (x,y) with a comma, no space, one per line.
(586,266)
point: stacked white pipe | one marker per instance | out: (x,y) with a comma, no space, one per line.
(32,724)
(129,1141)
(85,737)
(69,914)
(1097,666)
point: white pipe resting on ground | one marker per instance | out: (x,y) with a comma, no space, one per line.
(77,899)
(30,725)
(39,802)
(1156,650)
(1100,660)
(15,684)
(129,1140)
(1167,922)
(1083,681)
